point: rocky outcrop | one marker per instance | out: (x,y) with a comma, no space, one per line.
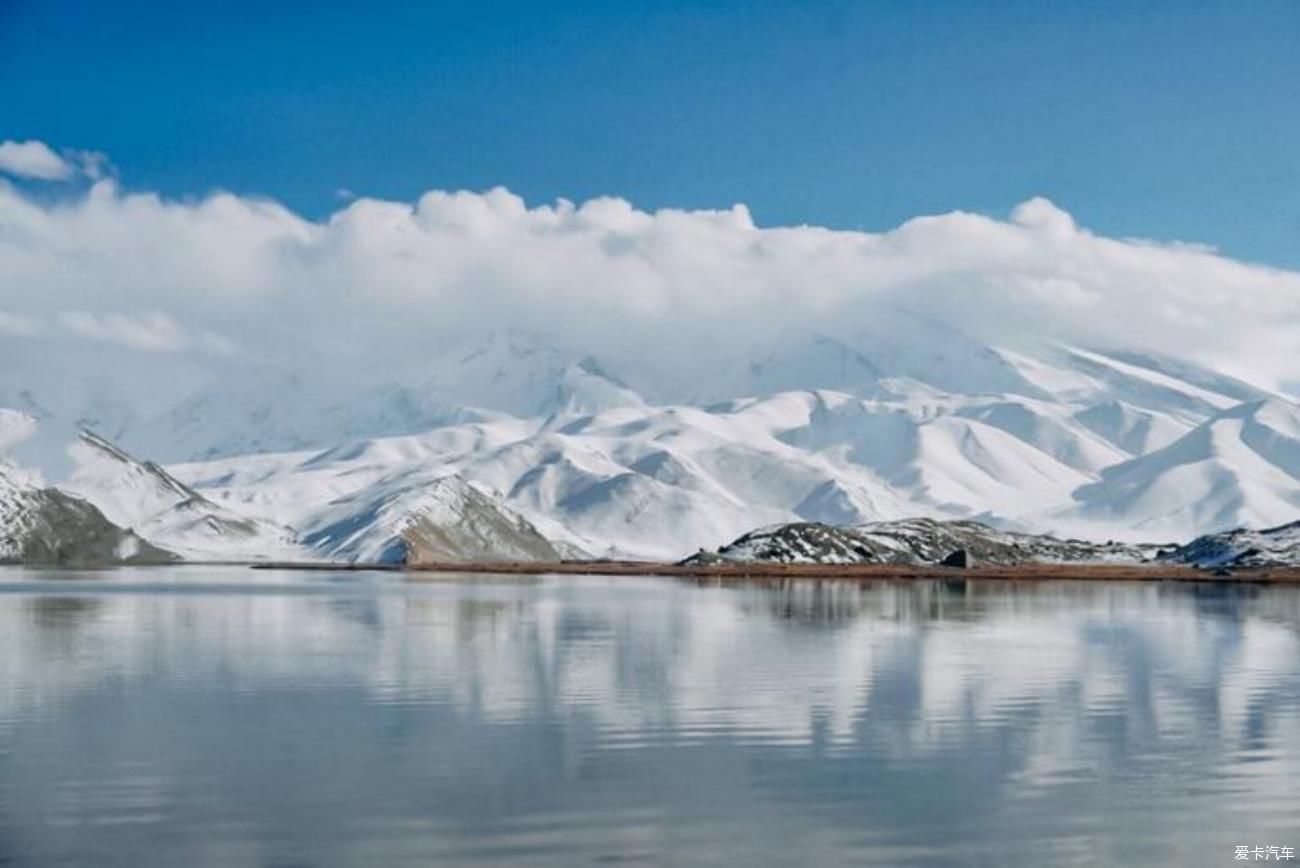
(1272,547)
(914,541)
(959,559)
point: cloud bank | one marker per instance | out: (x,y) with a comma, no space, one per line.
(381,289)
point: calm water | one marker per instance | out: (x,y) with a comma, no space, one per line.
(230,718)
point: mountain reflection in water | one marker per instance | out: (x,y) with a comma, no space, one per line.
(210,717)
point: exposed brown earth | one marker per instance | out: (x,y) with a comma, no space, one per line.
(846,572)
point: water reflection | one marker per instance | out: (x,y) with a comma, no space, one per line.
(564,722)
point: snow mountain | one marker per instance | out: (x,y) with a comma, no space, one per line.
(146,498)
(402,518)
(411,519)
(41,525)
(1071,452)
(1069,449)
(45,526)
(1240,467)
(906,419)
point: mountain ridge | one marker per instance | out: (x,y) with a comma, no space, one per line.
(917,541)
(1073,441)
(41,525)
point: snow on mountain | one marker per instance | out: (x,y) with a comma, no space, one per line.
(904,358)
(1084,377)
(622,477)
(1239,468)
(511,371)
(585,387)
(1128,428)
(105,388)
(1009,456)
(15,427)
(403,517)
(265,411)
(17,490)
(1044,427)
(1274,546)
(410,518)
(906,419)
(46,526)
(899,347)
(911,541)
(149,500)
(249,409)
(644,481)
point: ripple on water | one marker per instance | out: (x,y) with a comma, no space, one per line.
(568,722)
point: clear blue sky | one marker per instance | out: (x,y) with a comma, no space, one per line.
(1158,119)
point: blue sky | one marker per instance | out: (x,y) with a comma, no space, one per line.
(1173,120)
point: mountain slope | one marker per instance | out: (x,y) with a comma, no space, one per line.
(411,518)
(145,497)
(1241,467)
(46,526)
(1274,546)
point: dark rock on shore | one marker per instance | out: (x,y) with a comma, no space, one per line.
(959,559)
(1272,547)
(914,541)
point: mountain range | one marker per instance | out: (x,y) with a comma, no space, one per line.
(538,452)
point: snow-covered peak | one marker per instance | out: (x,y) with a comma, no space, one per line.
(1087,377)
(514,372)
(413,517)
(585,388)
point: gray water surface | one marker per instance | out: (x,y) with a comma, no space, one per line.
(228,717)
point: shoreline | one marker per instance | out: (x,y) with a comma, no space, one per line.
(832,572)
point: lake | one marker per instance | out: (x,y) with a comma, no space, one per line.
(231,717)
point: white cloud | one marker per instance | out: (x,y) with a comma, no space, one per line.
(382,289)
(93,164)
(33,159)
(153,332)
(37,160)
